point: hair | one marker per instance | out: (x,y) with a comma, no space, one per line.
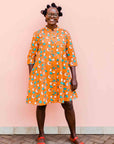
(44,12)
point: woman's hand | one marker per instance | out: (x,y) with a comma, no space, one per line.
(30,67)
(74,84)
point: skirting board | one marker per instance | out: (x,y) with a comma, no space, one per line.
(56,130)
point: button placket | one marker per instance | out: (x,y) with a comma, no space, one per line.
(53,52)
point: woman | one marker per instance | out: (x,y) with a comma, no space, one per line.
(50,59)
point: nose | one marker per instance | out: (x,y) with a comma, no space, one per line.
(52,16)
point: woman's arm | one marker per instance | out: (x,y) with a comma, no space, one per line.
(71,56)
(73,72)
(30,67)
(72,61)
(74,82)
(32,51)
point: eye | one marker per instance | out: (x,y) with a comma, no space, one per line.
(52,14)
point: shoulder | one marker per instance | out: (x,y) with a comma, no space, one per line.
(38,32)
(65,31)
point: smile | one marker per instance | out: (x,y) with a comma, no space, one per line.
(51,20)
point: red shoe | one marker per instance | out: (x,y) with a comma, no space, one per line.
(39,139)
(73,140)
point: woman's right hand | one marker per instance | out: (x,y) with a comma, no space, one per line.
(30,67)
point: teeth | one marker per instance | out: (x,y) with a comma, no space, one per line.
(51,19)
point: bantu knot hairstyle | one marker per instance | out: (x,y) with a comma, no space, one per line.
(52,5)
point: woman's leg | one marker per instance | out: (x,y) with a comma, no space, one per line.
(70,117)
(40,115)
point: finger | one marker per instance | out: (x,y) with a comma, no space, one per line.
(72,87)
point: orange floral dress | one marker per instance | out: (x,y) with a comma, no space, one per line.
(52,54)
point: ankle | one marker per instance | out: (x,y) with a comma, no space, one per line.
(73,135)
(41,135)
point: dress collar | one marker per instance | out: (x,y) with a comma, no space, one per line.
(48,29)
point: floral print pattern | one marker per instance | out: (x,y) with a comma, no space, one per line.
(52,54)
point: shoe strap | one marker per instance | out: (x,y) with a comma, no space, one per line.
(40,138)
(73,139)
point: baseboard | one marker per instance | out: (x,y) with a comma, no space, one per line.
(56,130)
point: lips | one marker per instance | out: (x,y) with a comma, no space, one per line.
(51,20)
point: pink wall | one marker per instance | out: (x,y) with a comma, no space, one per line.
(91,24)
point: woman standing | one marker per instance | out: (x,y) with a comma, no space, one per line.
(52,61)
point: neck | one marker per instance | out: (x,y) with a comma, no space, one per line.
(51,26)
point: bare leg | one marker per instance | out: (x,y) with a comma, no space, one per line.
(70,117)
(40,114)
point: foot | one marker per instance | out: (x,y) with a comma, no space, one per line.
(76,141)
(42,140)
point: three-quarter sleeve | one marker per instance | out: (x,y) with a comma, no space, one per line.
(71,56)
(33,49)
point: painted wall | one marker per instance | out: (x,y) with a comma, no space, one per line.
(91,24)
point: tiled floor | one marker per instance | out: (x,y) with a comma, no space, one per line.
(56,139)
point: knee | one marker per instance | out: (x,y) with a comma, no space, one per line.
(42,108)
(67,105)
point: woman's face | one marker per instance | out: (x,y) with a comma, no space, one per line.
(52,16)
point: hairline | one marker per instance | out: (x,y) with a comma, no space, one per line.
(52,7)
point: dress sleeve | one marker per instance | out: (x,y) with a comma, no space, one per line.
(72,61)
(33,49)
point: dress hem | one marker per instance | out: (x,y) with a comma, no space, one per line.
(51,102)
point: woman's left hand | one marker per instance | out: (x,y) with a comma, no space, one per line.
(74,84)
